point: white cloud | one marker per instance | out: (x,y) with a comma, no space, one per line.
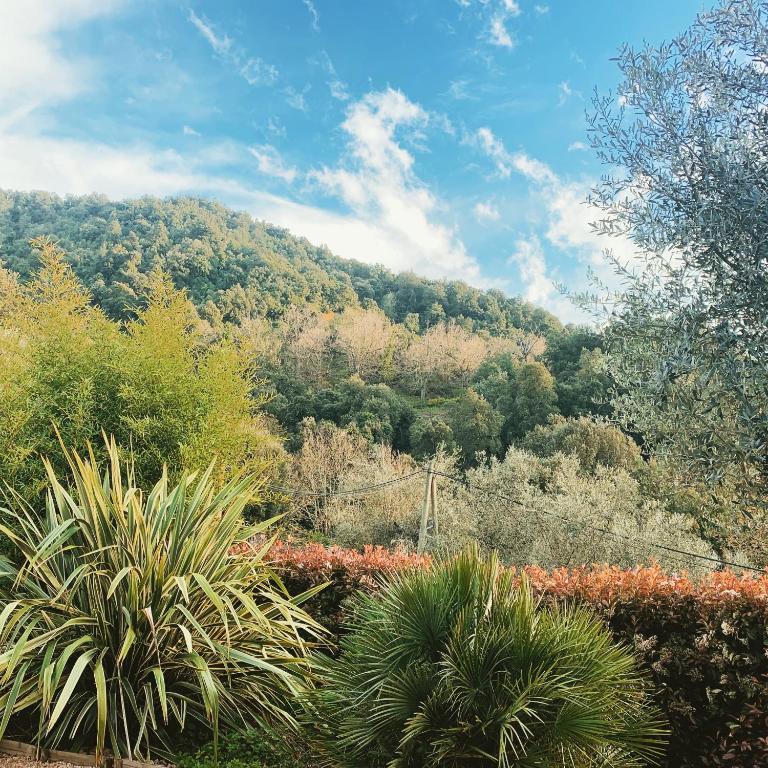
(189,131)
(577,146)
(33,68)
(336,85)
(221,44)
(538,285)
(565,92)
(314,14)
(377,182)
(498,33)
(486,211)
(459,90)
(512,7)
(253,69)
(271,163)
(541,10)
(73,167)
(565,218)
(295,99)
(339,90)
(257,72)
(506,161)
(531,262)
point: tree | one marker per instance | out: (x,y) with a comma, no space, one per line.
(67,373)
(363,336)
(688,337)
(305,337)
(530,399)
(379,413)
(476,426)
(594,443)
(427,434)
(550,512)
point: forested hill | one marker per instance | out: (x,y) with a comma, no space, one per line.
(227,259)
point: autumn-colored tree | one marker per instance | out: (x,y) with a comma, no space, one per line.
(363,336)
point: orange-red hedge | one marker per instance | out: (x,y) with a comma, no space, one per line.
(703,643)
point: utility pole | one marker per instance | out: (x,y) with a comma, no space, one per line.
(429,505)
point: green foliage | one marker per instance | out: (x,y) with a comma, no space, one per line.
(153,383)
(376,410)
(427,434)
(594,443)
(458,665)
(530,399)
(128,618)
(685,140)
(703,643)
(476,426)
(250,749)
(551,512)
(242,267)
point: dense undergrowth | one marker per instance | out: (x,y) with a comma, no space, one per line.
(704,642)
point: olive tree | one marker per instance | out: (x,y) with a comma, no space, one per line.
(686,138)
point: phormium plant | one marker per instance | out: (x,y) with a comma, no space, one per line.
(128,616)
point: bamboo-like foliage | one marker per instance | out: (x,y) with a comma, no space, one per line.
(459,666)
(128,617)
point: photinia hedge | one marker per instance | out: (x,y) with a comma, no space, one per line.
(704,643)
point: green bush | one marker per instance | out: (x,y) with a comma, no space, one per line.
(458,665)
(248,749)
(157,383)
(129,618)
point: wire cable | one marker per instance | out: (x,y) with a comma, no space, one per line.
(598,529)
(361,491)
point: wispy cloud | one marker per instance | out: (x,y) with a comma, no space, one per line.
(253,69)
(532,264)
(337,87)
(566,92)
(505,161)
(296,99)
(512,7)
(486,211)
(577,146)
(189,131)
(541,10)
(221,44)
(34,70)
(498,33)
(271,163)
(314,14)
(460,90)
(258,72)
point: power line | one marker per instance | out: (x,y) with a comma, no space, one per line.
(362,490)
(673,552)
(604,531)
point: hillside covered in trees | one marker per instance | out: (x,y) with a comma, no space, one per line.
(408,362)
(224,258)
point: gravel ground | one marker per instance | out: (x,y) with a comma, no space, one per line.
(16,761)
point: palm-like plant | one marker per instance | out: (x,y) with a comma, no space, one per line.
(460,666)
(127,616)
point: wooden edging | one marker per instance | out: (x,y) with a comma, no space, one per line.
(75,758)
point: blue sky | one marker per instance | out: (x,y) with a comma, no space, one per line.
(442,136)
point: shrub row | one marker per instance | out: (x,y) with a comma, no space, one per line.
(703,643)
